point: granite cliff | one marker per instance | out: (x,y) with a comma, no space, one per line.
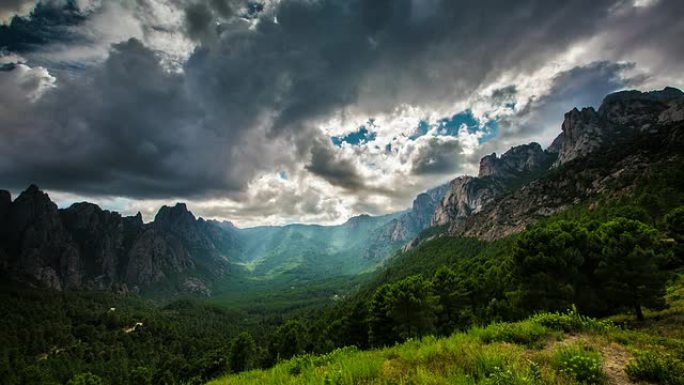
(85,247)
(597,153)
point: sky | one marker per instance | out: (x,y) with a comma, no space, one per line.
(309,111)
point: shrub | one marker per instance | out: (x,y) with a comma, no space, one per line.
(501,376)
(526,333)
(660,368)
(571,321)
(85,379)
(581,363)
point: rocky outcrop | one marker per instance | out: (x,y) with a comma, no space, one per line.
(595,150)
(5,203)
(599,152)
(621,115)
(86,247)
(418,218)
(518,161)
(468,195)
(102,238)
(36,244)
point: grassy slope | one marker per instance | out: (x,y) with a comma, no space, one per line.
(532,352)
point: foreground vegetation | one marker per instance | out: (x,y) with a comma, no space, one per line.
(547,348)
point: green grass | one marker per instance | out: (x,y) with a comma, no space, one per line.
(502,353)
(547,348)
(579,362)
(656,367)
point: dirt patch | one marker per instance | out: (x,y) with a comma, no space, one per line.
(615,358)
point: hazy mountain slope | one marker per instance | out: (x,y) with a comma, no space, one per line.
(331,250)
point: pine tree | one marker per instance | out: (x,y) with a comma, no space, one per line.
(413,307)
(629,267)
(242,353)
(548,263)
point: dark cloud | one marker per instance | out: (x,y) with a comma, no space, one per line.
(250,96)
(200,21)
(439,156)
(48,22)
(337,171)
(128,127)
(503,96)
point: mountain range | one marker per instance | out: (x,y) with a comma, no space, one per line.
(83,246)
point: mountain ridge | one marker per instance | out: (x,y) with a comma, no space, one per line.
(84,246)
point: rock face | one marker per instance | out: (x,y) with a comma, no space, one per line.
(621,115)
(103,238)
(418,218)
(468,195)
(36,243)
(630,134)
(85,247)
(516,162)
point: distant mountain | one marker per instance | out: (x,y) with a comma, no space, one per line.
(84,246)
(597,152)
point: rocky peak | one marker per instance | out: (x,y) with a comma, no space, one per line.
(177,216)
(466,195)
(424,206)
(621,115)
(31,205)
(357,220)
(581,134)
(634,108)
(135,220)
(518,160)
(88,216)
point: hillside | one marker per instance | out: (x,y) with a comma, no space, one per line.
(548,348)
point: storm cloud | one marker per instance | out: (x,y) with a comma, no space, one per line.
(204,98)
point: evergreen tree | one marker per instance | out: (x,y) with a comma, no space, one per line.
(629,267)
(287,341)
(242,353)
(453,300)
(413,307)
(380,322)
(548,261)
(653,204)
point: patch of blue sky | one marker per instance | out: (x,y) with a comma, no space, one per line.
(451,126)
(284,175)
(362,135)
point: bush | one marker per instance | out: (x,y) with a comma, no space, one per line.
(660,368)
(571,321)
(525,333)
(581,363)
(85,379)
(501,376)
